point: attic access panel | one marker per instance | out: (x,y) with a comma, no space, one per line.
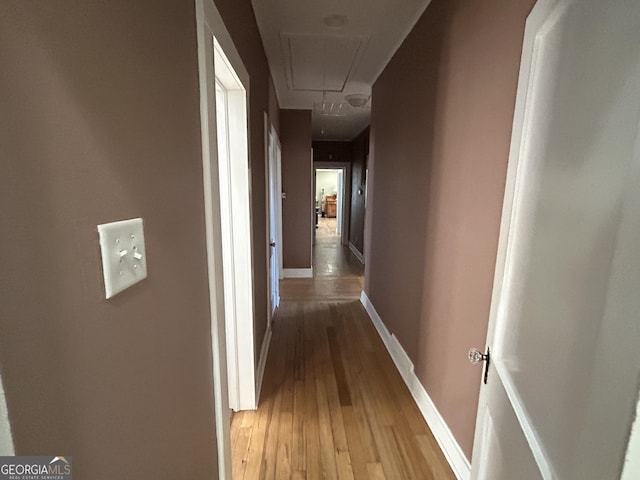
(321,62)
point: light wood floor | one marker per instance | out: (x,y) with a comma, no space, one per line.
(327,227)
(333,406)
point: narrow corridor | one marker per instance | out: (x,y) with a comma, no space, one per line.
(332,405)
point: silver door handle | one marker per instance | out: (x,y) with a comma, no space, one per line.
(272,244)
(476,356)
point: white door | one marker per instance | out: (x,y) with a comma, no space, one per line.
(564,333)
(275,215)
(235,223)
(339,201)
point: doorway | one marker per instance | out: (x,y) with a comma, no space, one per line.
(331,198)
(274,189)
(235,218)
(224,90)
(332,201)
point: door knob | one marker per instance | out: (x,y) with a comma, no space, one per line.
(272,244)
(476,356)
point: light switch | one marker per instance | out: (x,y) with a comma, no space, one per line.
(124,261)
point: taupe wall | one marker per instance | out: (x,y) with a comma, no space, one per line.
(100,122)
(441,123)
(240,22)
(297,211)
(359,153)
(331,151)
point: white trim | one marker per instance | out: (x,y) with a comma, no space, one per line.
(213,235)
(273,186)
(7,448)
(279,247)
(356,252)
(631,467)
(210,17)
(262,363)
(267,231)
(235,210)
(524,420)
(297,272)
(210,26)
(445,438)
(345,200)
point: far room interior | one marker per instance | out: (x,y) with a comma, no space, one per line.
(328,198)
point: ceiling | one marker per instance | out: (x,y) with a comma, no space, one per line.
(321,50)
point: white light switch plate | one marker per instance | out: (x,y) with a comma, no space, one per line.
(124,259)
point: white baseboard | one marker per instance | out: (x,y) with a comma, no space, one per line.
(356,252)
(262,362)
(297,272)
(449,445)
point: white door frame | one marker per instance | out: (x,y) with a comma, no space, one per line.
(345,203)
(235,215)
(631,468)
(7,448)
(272,162)
(273,165)
(278,167)
(212,34)
(340,207)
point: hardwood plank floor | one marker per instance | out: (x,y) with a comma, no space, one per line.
(333,406)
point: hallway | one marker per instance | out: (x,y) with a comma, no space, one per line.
(333,404)
(329,257)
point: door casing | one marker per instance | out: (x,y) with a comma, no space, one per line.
(345,194)
(212,34)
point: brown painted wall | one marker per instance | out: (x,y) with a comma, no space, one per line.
(297,210)
(441,124)
(240,22)
(100,122)
(359,153)
(329,151)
